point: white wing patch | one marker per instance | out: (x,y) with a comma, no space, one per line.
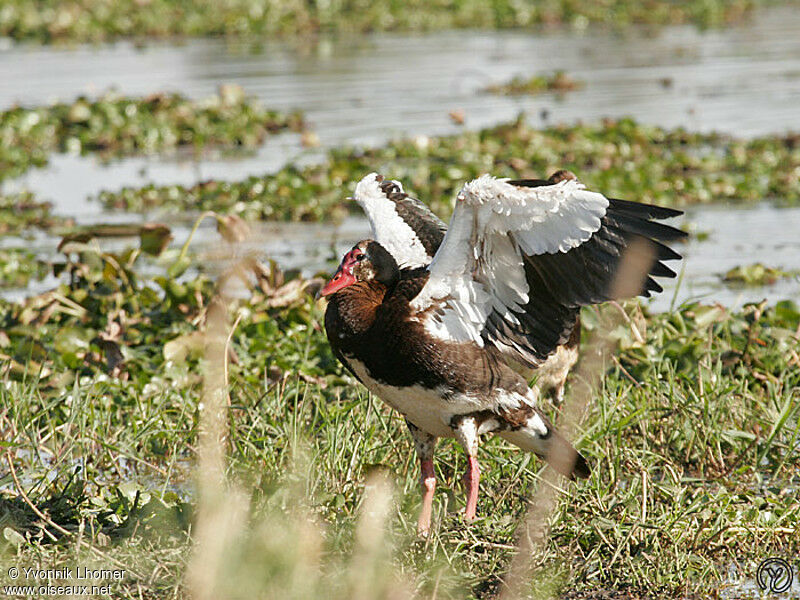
(456,322)
(479,268)
(546,219)
(388,228)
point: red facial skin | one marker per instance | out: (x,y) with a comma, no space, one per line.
(344,274)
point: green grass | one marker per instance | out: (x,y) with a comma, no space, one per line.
(622,159)
(99,20)
(694,439)
(113,125)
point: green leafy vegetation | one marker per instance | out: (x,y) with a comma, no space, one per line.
(19,266)
(97,20)
(694,440)
(20,213)
(622,159)
(755,274)
(114,125)
(519,85)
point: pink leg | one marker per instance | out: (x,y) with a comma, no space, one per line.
(471,479)
(428,483)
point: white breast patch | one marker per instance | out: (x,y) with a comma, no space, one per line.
(429,410)
(424,407)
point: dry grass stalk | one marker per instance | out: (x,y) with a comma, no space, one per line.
(222,507)
(586,380)
(369,553)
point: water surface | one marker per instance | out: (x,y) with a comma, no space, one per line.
(744,80)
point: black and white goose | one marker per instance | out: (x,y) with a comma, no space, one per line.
(412,234)
(438,342)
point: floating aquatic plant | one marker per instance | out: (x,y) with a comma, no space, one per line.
(756,274)
(621,158)
(538,84)
(22,212)
(96,20)
(115,124)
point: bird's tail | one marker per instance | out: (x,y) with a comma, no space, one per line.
(552,447)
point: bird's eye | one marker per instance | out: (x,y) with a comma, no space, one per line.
(360,257)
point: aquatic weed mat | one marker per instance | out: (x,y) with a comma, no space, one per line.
(114,125)
(620,158)
(48,21)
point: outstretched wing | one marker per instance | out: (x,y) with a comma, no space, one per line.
(521,257)
(403,225)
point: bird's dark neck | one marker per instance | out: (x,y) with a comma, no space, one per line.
(351,311)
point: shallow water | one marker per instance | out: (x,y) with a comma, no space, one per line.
(741,584)
(743,80)
(736,236)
